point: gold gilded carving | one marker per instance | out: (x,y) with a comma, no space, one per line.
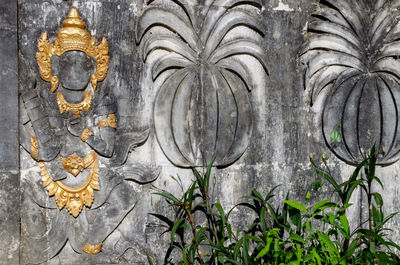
(111,121)
(85,134)
(72,37)
(34,148)
(92,249)
(74,164)
(77,108)
(72,198)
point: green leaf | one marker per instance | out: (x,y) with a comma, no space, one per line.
(320,205)
(332,181)
(372,162)
(265,250)
(236,250)
(387,218)
(208,173)
(148,259)
(352,247)
(335,136)
(297,238)
(285,209)
(378,199)
(351,189)
(199,178)
(199,234)
(190,195)
(258,195)
(296,205)
(308,196)
(270,193)
(325,238)
(222,215)
(245,251)
(345,224)
(295,217)
(317,185)
(167,195)
(262,220)
(174,228)
(272,212)
(379,181)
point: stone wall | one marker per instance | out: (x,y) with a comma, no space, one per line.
(275,127)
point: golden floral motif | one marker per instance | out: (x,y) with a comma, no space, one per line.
(92,249)
(85,134)
(111,121)
(72,37)
(77,108)
(74,164)
(34,148)
(72,198)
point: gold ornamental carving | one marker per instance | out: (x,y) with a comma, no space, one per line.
(72,198)
(111,121)
(72,37)
(74,164)
(92,249)
(85,134)
(34,148)
(77,108)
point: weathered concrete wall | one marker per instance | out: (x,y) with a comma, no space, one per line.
(9,157)
(285,129)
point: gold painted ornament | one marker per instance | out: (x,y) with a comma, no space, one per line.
(74,164)
(92,249)
(72,198)
(77,108)
(111,121)
(72,37)
(34,148)
(85,134)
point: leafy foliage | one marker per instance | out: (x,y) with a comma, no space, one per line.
(294,233)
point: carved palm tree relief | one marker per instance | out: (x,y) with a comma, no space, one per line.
(202,110)
(351,53)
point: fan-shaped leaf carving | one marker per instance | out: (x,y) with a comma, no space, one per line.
(352,53)
(202,110)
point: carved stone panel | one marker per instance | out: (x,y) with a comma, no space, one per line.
(70,126)
(352,53)
(202,110)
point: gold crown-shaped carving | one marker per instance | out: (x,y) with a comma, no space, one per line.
(73,36)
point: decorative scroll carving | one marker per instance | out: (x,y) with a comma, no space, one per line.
(352,53)
(75,109)
(202,109)
(72,37)
(111,121)
(34,148)
(74,164)
(85,134)
(73,198)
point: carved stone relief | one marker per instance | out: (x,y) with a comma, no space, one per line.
(352,53)
(202,110)
(71,132)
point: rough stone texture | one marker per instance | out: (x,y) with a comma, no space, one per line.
(9,155)
(285,129)
(9,86)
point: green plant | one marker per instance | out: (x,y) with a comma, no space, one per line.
(294,233)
